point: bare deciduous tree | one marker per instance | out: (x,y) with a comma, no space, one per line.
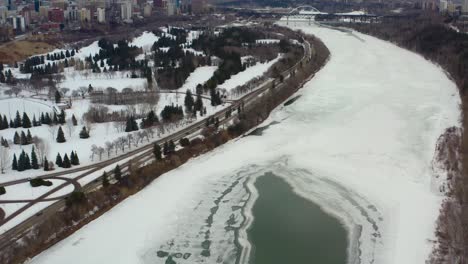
(4,159)
(42,148)
(70,127)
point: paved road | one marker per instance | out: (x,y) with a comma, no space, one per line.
(139,157)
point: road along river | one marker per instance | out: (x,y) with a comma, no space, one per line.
(358,142)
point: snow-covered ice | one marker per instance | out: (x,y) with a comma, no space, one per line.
(359,142)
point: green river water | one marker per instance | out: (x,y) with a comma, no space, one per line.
(288,229)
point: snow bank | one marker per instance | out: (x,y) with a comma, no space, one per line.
(359,142)
(199,76)
(250,73)
(145,41)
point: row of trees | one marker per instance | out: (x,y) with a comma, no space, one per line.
(24,139)
(67,162)
(24,162)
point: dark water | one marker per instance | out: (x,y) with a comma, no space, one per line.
(288,229)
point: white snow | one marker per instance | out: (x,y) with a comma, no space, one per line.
(145,41)
(9,106)
(199,76)
(353,13)
(100,81)
(248,74)
(359,141)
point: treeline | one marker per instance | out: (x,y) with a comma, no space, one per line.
(175,66)
(122,56)
(30,63)
(6,76)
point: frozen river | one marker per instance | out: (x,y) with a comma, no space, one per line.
(358,142)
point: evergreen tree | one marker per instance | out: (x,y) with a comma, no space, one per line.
(60,136)
(66,161)
(84,133)
(74,121)
(189,102)
(58,160)
(26,121)
(46,164)
(24,140)
(61,117)
(171,146)
(47,119)
(5,122)
(34,161)
(42,118)
(72,157)
(105,179)
(157,151)
(198,103)
(14,165)
(55,119)
(75,160)
(35,123)
(27,161)
(117,173)
(29,139)
(12,125)
(18,122)
(16,139)
(131,124)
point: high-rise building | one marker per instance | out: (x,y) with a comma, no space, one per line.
(126,11)
(44,12)
(85,15)
(56,15)
(101,15)
(199,6)
(3,14)
(158,3)
(465,7)
(171,7)
(147,10)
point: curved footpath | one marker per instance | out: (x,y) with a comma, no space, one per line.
(359,141)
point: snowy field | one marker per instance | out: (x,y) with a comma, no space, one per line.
(359,142)
(199,76)
(245,76)
(100,133)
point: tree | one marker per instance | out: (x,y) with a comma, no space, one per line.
(117,173)
(84,133)
(60,136)
(105,179)
(34,160)
(74,121)
(46,164)
(131,124)
(4,158)
(14,165)
(198,103)
(189,101)
(70,128)
(75,160)
(61,117)
(66,161)
(58,160)
(29,138)
(24,140)
(17,121)
(58,97)
(16,139)
(157,151)
(26,121)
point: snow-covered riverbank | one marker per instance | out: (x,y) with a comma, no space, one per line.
(359,141)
